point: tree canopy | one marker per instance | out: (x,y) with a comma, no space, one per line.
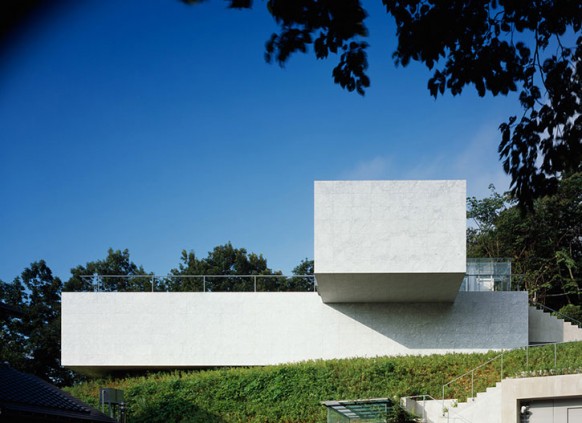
(129,276)
(532,48)
(32,342)
(222,260)
(545,246)
(225,260)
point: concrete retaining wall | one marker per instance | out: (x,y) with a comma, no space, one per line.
(502,403)
(101,330)
(543,327)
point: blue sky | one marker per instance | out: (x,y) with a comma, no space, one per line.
(157,127)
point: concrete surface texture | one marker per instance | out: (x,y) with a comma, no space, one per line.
(544,328)
(395,240)
(155,330)
(514,392)
(502,403)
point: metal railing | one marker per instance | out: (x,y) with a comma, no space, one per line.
(556,313)
(500,359)
(547,363)
(490,282)
(200,283)
(246,283)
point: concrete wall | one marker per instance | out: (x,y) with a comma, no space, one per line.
(549,395)
(123,330)
(390,226)
(516,391)
(543,327)
(403,233)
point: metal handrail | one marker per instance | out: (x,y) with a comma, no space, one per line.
(509,280)
(499,356)
(551,310)
(99,278)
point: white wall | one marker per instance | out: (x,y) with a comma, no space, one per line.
(543,327)
(390,226)
(502,403)
(229,329)
(516,390)
(380,241)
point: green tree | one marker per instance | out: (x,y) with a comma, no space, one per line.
(124,275)
(33,342)
(181,277)
(482,238)
(11,326)
(298,282)
(223,260)
(545,246)
(533,48)
(571,313)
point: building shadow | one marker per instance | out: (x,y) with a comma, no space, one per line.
(468,323)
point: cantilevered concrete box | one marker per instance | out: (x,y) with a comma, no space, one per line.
(389,241)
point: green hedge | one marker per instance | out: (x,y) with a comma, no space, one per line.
(293,392)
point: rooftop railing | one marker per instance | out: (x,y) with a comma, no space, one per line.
(199,283)
(252,283)
(491,282)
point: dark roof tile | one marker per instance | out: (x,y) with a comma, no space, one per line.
(25,394)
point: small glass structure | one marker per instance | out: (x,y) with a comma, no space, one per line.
(487,274)
(358,411)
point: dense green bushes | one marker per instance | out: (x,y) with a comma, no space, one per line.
(292,393)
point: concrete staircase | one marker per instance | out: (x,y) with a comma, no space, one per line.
(505,402)
(474,410)
(545,328)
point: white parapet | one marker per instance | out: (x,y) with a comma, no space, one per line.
(104,331)
(397,241)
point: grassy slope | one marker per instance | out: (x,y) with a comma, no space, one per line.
(292,393)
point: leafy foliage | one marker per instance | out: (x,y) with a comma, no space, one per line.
(545,246)
(33,343)
(116,263)
(495,46)
(12,338)
(481,238)
(225,260)
(293,392)
(398,414)
(571,313)
(299,282)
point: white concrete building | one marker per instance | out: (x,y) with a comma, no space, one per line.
(390,241)
(389,262)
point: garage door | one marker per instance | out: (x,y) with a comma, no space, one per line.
(575,415)
(552,411)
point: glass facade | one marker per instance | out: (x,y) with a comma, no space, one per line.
(358,411)
(487,274)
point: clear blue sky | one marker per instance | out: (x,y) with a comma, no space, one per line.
(157,127)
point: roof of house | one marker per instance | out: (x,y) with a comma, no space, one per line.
(26,396)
